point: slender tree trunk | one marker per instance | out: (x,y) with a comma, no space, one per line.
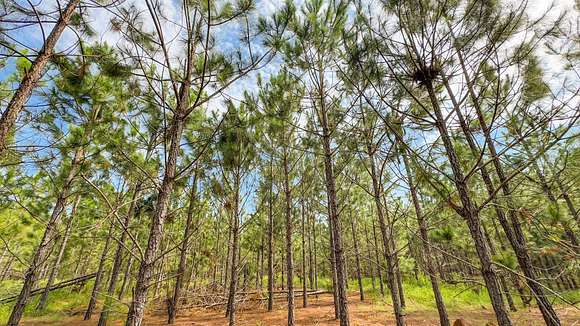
(289,231)
(118,260)
(391,277)
(311,266)
(333,269)
(315,266)
(43,249)
(514,231)
(370,264)
(34,74)
(56,266)
(470,213)
(397,269)
(378,260)
(443,317)
(357,259)
(137,307)
(174,302)
(6,271)
(100,274)
(335,226)
(231,309)
(127,275)
(261,262)
(304,272)
(271,242)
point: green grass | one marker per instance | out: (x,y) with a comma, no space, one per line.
(61,303)
(418,296)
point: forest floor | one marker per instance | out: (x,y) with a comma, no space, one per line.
(320,312)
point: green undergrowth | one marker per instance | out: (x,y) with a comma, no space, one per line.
(61,303)
(418,296)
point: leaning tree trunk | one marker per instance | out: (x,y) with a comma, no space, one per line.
(443,317)
(100,274)
(43,249)
(174,302)
(514,231)
(137,307)
(470,212)
(56,266)
(33,74)
(289,230)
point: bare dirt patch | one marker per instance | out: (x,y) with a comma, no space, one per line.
(321,312)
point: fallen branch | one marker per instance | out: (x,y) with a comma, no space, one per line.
(64,284)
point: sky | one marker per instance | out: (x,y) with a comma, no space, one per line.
(228,41)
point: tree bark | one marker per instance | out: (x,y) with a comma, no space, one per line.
(118,260)
(100,274)
(174,302)
(357,259)
(470,213)
(370,265)
(514,231)
(378,260)
(391,278)
(231,309)
(137,307)
(271,242)
(289,231)
(304,272)
(441,310)
(34,74)
(335,224)
(56,266)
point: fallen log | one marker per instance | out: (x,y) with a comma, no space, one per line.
(63,284)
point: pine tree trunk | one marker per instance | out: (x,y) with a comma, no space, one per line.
(335,226)
(514,231)
(391,278)
(137,307)
(174,302)
(470,213)
(56,266)
(378,260)
(100,274)
(333,269)
(370,266)
(304,273)
(33,75)
(271,242)
(231,309)
(289,231)
(43,249)
(118,260)
(442,311)
(357,259)
(311,264)
(127,275)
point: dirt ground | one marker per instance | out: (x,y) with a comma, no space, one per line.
(320,312)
